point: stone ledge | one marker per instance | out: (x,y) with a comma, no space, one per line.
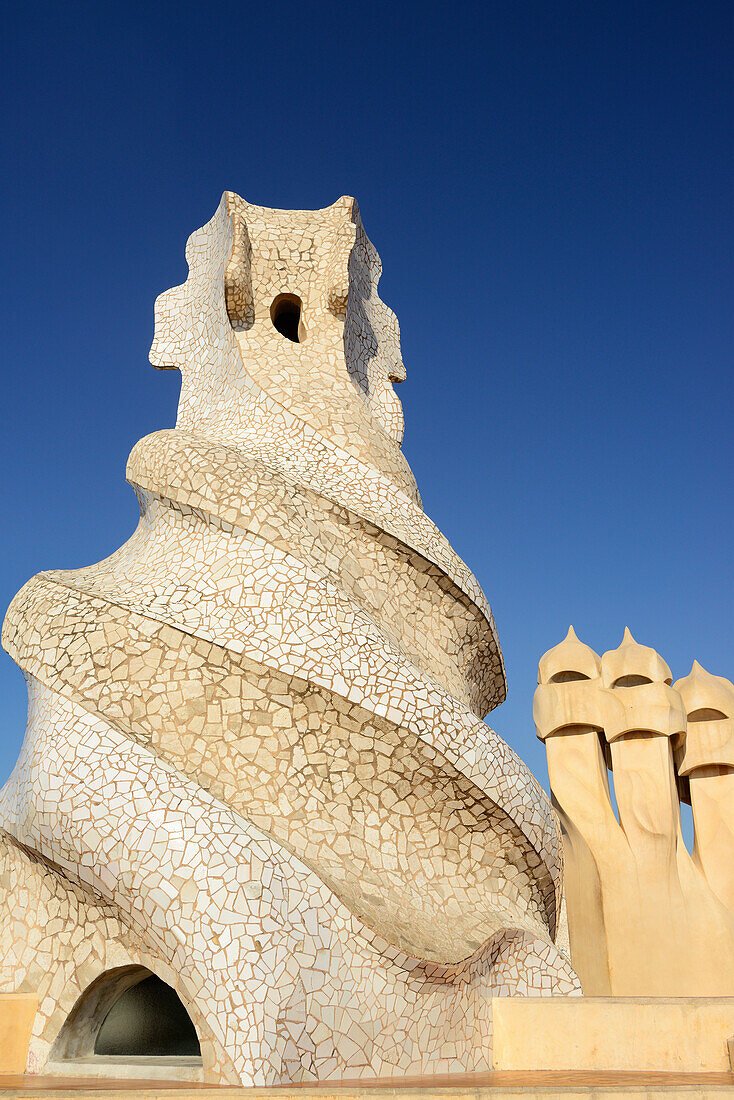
(122,1067)
(485,1086)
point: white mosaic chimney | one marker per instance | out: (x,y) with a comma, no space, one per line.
(255,763)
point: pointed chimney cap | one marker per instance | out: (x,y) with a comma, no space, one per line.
(571,659)
(702,691)
(633,662)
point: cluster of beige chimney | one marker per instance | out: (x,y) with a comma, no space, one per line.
(646,917)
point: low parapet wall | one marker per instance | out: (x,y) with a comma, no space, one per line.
(17,1013)
(681,1034)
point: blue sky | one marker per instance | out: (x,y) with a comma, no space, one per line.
(550,188)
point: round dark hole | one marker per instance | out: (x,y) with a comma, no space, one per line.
(285,313)
(148,1019)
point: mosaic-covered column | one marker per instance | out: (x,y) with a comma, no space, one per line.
(255,760)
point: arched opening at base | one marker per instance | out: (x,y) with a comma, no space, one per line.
(148,1020)
(128,1015)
